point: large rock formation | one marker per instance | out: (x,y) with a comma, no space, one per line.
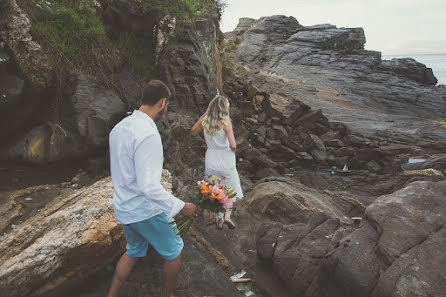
(67,239)
(327,68)
(396,251)
(191,65)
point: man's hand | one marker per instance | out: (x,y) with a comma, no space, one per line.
(191,211)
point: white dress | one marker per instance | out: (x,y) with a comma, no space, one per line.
(220,161)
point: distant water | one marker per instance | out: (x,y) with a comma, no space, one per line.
(435,61)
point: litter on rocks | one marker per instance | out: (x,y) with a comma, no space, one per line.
(238,275)
(73,186)
(29,199)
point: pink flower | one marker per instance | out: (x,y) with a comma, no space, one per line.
(225,200)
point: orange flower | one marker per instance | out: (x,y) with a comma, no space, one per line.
(204,189)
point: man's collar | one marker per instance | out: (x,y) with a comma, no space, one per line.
(145,116)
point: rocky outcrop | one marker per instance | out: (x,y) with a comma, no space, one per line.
(32,63)
(191,65)
(395,251)
(67,239)
(327,68)
(89,112)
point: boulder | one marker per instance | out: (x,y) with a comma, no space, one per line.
(194,52)
(275,105)
(395,251)
(73,236)
(92,109)
(31,61)
(410,69)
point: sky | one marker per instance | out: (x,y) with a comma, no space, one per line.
(393,27)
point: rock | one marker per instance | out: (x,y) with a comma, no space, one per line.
(266,239)
(373,166)
(195,51)
(281,153)
(266,172)
(437,162)
(280,201)
(411,69)
(33,64)
(293,112)
(422,172)
(94,108)
(327,68)
(63,244)
(395,249)
(335,143)
(275,105)
(317,143)
(319,155)
(131,89)
(11,91)
(82,233)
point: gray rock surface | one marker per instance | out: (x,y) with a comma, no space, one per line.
(396,251)
(191,66)
(327,68)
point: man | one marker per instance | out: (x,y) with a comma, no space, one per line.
(142,205)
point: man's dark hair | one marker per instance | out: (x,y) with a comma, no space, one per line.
(154,91)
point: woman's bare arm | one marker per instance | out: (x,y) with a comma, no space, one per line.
(198,126)
(230,135)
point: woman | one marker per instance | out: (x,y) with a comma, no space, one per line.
(220,155)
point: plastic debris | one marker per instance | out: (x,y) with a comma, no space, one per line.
(241,280)
(73,186)
(29,199)
(238,275)
(356,219)
(249,293)
(332,173)
(345,168)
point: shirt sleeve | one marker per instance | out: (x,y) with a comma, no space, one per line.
(148,167)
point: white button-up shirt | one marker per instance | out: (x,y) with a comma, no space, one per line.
(136,163)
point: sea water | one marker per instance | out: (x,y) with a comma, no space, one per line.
(435,61)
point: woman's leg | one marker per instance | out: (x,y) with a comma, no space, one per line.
(219,218)
(227,218)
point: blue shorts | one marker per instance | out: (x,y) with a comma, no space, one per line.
(155,231)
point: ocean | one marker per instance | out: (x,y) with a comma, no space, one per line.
(435,61)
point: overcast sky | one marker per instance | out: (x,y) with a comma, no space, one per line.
(391,26)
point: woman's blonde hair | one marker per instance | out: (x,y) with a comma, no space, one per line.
(217,115)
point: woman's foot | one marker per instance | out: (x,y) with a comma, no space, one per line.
(220,224)
(230,223)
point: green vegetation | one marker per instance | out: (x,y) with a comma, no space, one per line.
(139,54)
(231,47)
(442,122)
(72,34)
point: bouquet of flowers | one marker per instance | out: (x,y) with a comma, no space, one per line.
(210,195)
